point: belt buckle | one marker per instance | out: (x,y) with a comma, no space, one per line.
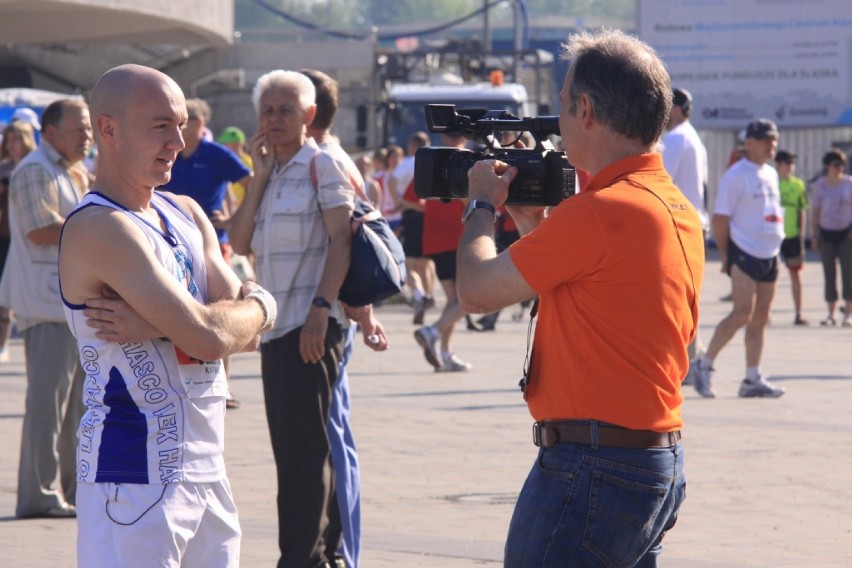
(542,436)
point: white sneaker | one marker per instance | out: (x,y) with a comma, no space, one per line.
(4,355)
(702,378)
(759,388)
(689,379)
(428,338)
(453,364)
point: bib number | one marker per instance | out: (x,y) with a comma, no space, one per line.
(201,379)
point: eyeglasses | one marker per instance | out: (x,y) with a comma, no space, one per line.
(837,164)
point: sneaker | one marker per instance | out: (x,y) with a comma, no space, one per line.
(702,379)
(453,364)
(689,379)
(472,325)
(4,355)
(64,511)
(759,388)
(231,403)
(420,307)
(801,321)
(428,338)
(419,311)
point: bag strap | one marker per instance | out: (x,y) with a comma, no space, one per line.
(353,183)
(372,215)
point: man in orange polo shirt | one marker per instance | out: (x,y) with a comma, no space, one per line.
(618,270)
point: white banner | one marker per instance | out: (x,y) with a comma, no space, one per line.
(788,60)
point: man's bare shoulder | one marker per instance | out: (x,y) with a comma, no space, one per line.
(187,204)
(100,246)
(97,222)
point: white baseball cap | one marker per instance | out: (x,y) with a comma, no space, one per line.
(27,115)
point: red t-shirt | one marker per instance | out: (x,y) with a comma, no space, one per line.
(409,195)
(618,299)
(442,226)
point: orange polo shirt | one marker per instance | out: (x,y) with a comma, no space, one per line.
(618,299)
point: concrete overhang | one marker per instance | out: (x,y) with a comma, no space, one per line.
(181,22)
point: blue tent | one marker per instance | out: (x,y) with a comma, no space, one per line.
(35,99)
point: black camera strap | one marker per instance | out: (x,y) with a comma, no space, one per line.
(525,378)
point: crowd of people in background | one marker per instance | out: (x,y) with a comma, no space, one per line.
(296,247)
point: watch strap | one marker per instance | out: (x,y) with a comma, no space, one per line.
(474,205)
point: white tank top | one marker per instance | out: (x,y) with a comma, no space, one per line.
(153,414)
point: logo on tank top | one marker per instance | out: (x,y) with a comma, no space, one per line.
(184,269)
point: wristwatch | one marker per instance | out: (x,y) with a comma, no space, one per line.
(321,302)
(473,205)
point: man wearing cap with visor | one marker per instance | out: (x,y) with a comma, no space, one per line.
(748,224)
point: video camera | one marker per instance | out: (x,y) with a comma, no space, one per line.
(544,175)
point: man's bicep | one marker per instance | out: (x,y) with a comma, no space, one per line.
(118,255)
(337,221)
(509,278)
(130,268)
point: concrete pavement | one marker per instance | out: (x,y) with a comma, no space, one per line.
(444,455)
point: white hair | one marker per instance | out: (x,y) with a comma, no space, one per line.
(280,78)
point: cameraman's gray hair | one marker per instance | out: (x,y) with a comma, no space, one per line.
(625,79)
(280,78)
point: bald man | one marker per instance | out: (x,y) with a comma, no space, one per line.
(154,309)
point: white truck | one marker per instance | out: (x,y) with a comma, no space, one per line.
(403,109)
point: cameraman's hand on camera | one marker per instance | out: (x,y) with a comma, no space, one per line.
(488,180)
(527,217)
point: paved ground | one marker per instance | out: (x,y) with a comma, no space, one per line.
(444,455)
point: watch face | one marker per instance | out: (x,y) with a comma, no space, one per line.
(321,303)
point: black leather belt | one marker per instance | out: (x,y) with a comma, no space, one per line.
(548,433)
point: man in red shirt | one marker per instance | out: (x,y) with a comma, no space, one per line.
(442,229)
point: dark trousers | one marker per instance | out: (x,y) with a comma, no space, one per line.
(297,397)
(831,253)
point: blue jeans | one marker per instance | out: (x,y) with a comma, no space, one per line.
(344,458)
(584,506)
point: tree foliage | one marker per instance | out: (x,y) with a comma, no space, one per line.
(361,15)
(621,9)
